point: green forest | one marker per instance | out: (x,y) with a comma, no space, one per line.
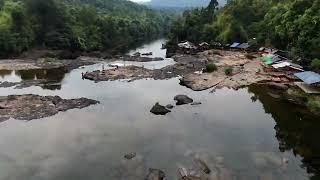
(91,25)
(291,25)
(84,25)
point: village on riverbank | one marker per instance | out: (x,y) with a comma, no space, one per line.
(204,66)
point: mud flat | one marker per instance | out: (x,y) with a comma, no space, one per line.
(28,107)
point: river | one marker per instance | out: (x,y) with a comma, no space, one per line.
(245,134)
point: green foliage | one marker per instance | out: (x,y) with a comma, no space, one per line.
(86,25)
(211,68)
(288,25)
(228,71)
(314,102)
(315,65)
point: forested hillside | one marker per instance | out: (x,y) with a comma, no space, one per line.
(178,3)
(85,25)
(292,25)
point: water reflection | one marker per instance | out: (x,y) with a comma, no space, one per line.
(56,74)
(47,78)
(296,130)
(4,73)
(241,134)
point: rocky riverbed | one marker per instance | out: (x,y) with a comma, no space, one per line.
(191,68)
(46,63)
(28,107)
(217,139)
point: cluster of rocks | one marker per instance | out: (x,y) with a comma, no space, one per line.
(28,107)
(128,72)
(200,169)
(185,64)
(46,63)
(158,109)
(29,83)
(141,58)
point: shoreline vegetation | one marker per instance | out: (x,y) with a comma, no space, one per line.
(292,26)
(76,26)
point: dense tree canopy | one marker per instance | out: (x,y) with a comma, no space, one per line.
(292,25)
(75,24)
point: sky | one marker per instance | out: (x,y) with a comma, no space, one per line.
(140,0)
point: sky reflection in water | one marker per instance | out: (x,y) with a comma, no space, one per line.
(90,143)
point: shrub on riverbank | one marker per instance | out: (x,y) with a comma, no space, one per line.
(228,71)
(289,25)
(211,68)
(297,96)
(314,102)
(315,65)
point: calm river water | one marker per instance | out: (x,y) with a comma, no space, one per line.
(244,134)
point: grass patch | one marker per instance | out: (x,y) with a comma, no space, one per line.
(311,101)
(211,68)
(314,102)
(228,71)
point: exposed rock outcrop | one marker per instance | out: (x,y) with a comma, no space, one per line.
(28,107)
(182,99)
(158,109)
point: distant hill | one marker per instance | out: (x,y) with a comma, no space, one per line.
(113,6)
(180,3)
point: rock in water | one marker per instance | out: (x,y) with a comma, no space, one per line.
(137,54)
(6,84)
(147,54)
(182,99)
(169,106)
(196,103)
(130,155)
(158,109)
(29,106)
(202,166)
(155,174)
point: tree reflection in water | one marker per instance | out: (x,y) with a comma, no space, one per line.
(53,77)
(296,129)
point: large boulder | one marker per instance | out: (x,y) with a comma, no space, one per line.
(183,99)
(158,109)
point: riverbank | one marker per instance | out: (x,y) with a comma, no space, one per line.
(221,135)
(231,69)
(244,70)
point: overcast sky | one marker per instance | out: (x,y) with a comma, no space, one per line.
(140,0)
